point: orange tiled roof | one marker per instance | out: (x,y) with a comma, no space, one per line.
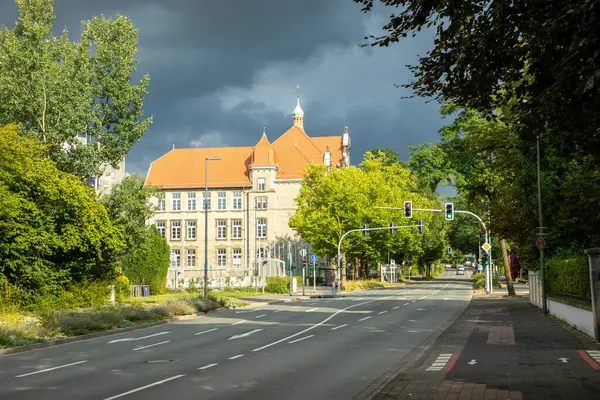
(292,152)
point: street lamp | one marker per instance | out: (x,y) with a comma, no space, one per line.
(205,205)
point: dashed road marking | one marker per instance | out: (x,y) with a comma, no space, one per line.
(151,345)
(301,339)
(382,312)
(338,327)
(203,332)
(365,318)
(50,369)
(260,316)
(238,356)
(209,366)
(397,307)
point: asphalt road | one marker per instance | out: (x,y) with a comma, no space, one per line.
(318,349)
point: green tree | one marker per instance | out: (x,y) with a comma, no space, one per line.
(53,232)
(539,57)
(145,254)
(60,91)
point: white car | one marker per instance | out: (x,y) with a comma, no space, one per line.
(460,270)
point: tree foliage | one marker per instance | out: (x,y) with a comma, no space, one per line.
(53,232)
(540,58)
(145,254)
(59,91)
(333,202)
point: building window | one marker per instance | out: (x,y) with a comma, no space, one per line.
(261,184)
(261,253)
(162,202)
(221,229)
(236,228)
(191,257)
(162,227)
(221,257)
(261,228)
(176,201)
(261,203)
(191,230)
(175,258)
(222,201)
(206,201)
(236,257)
(191,197)
(237,200)
(175,230)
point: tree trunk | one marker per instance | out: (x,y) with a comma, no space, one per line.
(356,263)
(509,282)
(366,270)
(343,272)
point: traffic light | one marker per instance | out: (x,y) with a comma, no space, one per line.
(485,259)
(365,231)
(421,226)
(393,228)
(408,209)
(303,262)
(449,208)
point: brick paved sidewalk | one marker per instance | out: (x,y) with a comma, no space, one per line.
(499,348)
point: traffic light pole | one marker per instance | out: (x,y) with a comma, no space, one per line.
(339,253)
(488,275)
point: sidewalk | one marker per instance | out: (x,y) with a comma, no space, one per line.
(499,348)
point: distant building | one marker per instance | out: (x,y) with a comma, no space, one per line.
(250,198)
(110,176)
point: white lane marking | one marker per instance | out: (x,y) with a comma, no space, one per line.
(405,304)
(383,312)
(140,338)
(413,301)
(50,369)
(422,309)
(397,307)
(365,318)
(249,311)
(209,366)
(239,322)
(278,311)
(301,339)
(238,356)
(144,387)
(260,316)
(244,334)
(312,309)
(338,327)
(310,328)
(203,332)
(151,345)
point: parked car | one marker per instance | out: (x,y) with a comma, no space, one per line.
(460,270)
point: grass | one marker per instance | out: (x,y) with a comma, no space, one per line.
(351,286)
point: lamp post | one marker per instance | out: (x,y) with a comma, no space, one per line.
(205,206)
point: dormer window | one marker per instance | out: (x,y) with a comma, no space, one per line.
(327,157)
(261,184)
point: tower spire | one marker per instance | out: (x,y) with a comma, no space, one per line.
(298,114)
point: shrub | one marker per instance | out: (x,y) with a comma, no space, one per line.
(179,307)
(81,323)
(202,305)
(121,288)
(277,284)
(567,273)
(135,314)
(351,286)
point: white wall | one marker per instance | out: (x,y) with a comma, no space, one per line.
(582,319)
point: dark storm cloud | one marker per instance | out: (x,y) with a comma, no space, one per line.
(221,70)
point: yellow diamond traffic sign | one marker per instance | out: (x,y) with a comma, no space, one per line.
(486,246)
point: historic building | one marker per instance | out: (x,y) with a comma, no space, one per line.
(251,192)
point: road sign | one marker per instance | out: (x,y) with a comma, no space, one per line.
(392,262)
(303,252)
(540,243)
(314,258)
(486,246)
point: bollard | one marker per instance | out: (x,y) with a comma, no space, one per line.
(594,266)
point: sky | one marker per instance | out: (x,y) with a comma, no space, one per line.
(222,70)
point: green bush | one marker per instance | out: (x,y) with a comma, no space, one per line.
(179,307)
(202,305)
(277,284)
(121,288)
(567,273)
(81,323)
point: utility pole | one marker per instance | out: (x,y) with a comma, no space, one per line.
(541,227)
(205,203)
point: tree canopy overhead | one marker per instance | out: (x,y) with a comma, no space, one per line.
(540,57)
(58,90)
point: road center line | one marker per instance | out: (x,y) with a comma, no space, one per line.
(338,327)
(365,318)
(209,366)
(145,387)
(50,369)
(301,339)
(260,316)
(150,345)
(203,332)
(314,326)
(382,312)
(238,356)
(397,307)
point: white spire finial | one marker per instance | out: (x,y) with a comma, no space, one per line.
(173,146)
(298,113)
(264,131)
